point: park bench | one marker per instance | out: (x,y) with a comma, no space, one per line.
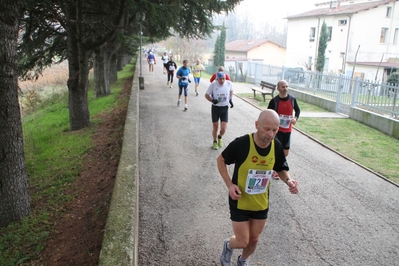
(266,88)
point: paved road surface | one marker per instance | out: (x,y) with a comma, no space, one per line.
(343,215)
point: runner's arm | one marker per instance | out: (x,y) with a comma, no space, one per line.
(234,190)
(213,77)
(297,110)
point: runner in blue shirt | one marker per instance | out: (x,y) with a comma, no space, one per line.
(184,80)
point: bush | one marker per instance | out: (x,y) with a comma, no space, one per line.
(393,78)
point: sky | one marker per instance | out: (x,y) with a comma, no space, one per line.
(275,9)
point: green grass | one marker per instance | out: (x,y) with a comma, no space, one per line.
(363,144)
(54,158)
(205,75)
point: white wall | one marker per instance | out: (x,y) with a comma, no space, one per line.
(364,30)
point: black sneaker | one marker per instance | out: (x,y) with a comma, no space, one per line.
(241,262)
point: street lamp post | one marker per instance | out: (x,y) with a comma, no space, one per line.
(141,49)
(141,78)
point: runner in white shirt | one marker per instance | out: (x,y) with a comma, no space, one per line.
(220,93)
(165,59)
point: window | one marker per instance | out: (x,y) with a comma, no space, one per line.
(329,32)
(395,36)
(312,34)
(384,34)
(389,10)
(342,22)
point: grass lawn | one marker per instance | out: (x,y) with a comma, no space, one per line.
(363,144)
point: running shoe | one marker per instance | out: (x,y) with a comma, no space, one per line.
(196,93)
(242,262)
(220,142)
(185,108)
(215,145)
(171,86)
(225,257)
(275,175)
(178,103)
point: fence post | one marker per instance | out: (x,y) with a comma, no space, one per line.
(283,73)
(395,91)
(339,93)
(355,91)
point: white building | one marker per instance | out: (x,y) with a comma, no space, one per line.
(363,37)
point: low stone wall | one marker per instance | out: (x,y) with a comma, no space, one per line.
(384,124)
(120,243)
(387,125)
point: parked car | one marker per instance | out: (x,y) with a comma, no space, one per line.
(292,74)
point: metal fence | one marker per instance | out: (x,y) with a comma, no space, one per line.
(377,97)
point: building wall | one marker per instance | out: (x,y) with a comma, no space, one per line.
(299,47)
(268,53)
(362,28)
(366,31)
(235,54)
(271,54)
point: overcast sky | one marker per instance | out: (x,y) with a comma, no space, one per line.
(275,9)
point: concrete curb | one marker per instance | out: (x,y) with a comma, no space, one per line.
(120,243)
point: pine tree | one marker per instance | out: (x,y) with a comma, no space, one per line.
(220,48)
(321,58)
(216,52)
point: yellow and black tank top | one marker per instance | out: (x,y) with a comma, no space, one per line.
(252,172)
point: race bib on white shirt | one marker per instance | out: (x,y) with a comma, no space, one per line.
(171,68)
(285,121)
(257,181)
(223,98)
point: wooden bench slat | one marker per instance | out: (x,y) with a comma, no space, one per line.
(266,89)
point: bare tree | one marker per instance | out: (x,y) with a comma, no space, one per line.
(186,49)
(306,62)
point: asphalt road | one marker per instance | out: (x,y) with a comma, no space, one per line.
(343,215)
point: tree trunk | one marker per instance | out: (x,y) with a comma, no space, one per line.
(120,63)
(78,64)
(101,74)
(113,70)
(14,192)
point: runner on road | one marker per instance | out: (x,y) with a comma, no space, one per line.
(165,59)
(220,93)
(184,80)
(151,62)
(220,69)
(254,156)
(170,68)
(197,71)
(284,104)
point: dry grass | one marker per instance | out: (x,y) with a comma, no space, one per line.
(52,82)
(57,75)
